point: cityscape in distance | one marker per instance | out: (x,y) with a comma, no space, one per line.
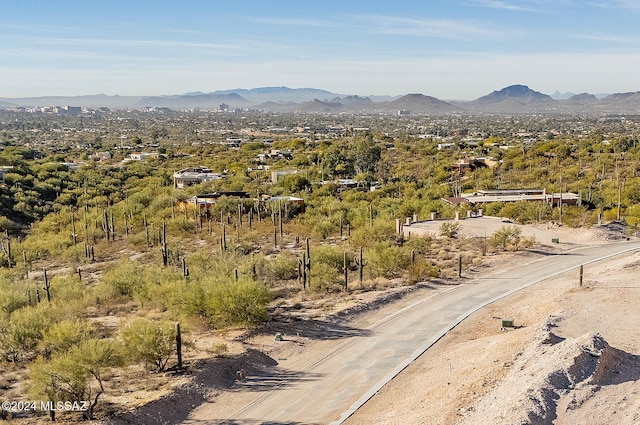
(519,99)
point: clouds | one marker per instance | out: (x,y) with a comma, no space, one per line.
(424,27)
(446,48)
(632,5)
(503,5)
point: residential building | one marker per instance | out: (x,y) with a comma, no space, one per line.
(194,175)
(515,195)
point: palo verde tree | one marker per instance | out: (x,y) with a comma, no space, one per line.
(149,342)
(76,375)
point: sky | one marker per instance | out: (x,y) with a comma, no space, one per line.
(450,49)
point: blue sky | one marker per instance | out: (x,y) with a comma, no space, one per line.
(450,49)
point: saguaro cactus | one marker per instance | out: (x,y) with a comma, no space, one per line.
(47,285)
(165,252)
(74,235)
(185,269)
(9,254)
(361,263)
(146,229)
(280,218)
(105,223)
(224,237)
(179,345)
(345,266)
(307,265)
(275,234)
(112,227)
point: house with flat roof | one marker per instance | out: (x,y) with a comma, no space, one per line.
(470,164)
(514,195)
(4,169)
(277,174)
(194,175)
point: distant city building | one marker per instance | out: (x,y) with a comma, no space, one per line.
(194,175)
(470,164)
(3,170)
(274,154)
(275,175)
(141,156)
(446,146)
(292,204)
(73,166)
(205,201)
(101,156)
(72,109)
(515,195)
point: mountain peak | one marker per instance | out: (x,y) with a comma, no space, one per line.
(520,92)
(517,93)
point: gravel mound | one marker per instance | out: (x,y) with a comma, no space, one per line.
(550,371)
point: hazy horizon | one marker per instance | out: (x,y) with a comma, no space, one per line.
(460,49)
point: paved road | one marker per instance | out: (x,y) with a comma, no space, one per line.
(329,390)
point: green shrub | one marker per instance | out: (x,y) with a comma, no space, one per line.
(421,245)
(13,295)
(385,260)
(525,211)
(77,374)
(283,267)
(220,301)
(149,342)
(7,225)
(241,303)
(321,227)
(421,269)
(493,208)
(505,236)
(24,330)
(324,277)
(449,229)
(69,296)
(63,335)
(125,279)
(332,256)
(381,231)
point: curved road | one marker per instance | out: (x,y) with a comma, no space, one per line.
(332,388)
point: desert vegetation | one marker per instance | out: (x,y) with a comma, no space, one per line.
(101,261)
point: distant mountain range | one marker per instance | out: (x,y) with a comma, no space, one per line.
(518,99)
